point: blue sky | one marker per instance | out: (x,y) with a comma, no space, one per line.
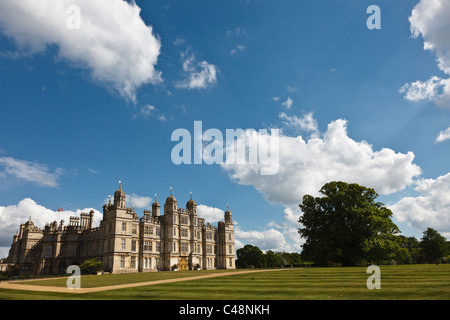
(71,127)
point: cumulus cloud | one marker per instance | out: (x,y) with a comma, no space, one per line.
(138,201)
(111,41)
(13,215)
(210,214)
(429,19)
(434,89)
(36,173)
(269,239)
(430,208)
(305,123)
(199,75)
(306,165)
(443,135)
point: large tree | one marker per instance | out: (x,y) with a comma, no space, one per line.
(347,226)
(250,255)
(433,245)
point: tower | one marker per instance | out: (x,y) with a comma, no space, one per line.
(226,231)
(119,197)
(156,208)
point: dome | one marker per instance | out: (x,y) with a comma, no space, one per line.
(119,193)
(171,198)
(191,203)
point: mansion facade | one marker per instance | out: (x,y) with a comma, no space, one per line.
(125,242)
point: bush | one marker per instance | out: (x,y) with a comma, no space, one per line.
(91,266)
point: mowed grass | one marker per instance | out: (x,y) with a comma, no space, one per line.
(397,282)
(94,281)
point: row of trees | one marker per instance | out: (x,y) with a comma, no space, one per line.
(251,256)
(347,226)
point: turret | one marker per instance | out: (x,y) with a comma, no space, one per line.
(191,207)
(170,206)
(228,216)
(156,208)
(119,197)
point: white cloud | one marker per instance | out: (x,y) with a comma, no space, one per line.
(430,209)
(429,19)
(443,135)
(148,111)
(305,123)
(13,215)
(434,89)
(112,42)
(36,173)
(210,214)
(269,239)
(305,166)
(237,49)
(288,103)
(138,201)
(198,76)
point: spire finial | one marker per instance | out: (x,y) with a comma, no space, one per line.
(228,207)
(155,197)
(191,195)
(170,190)
(120,184)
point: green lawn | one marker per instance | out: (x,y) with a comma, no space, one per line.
(397,282)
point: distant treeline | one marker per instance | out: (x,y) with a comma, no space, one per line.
(251,256)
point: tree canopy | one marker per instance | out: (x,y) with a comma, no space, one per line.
(434,246)
(251,256)
(347,226)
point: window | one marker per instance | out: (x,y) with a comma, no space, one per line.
(133,263)
(184,220)
(208,248)
(133,245)
(184,247)
(174,231)
(61,250)
(122,262)
(158,231)
(148,230)
(229,236)
(184,232)
(231,262)
(134,230)
(209,235)
(230,249)
(124,226)
(158,246)
(122,244)
(147,246)
(48,251)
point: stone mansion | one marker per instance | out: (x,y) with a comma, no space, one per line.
(125,242)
